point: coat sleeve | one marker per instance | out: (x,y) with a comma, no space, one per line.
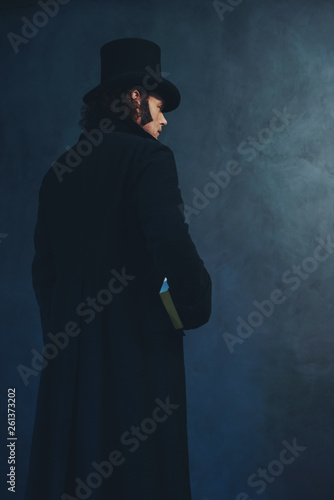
(158,202)
(43,266)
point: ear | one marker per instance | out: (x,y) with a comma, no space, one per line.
(135,94)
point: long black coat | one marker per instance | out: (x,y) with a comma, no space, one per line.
(111,411)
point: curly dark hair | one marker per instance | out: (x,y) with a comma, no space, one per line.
(110,100)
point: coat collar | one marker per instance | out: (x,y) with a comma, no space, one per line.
(126,125)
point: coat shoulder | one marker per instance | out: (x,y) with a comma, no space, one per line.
(126,149)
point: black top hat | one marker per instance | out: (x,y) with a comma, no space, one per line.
(131,62)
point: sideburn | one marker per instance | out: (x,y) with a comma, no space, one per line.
(145,113)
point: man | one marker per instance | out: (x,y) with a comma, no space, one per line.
(111,417)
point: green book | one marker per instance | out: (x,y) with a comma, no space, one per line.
(169,305)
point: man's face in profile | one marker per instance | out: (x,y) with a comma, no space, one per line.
(155,105)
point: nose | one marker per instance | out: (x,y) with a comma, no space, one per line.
(163,121)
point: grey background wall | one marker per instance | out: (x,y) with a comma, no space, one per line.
(257,122)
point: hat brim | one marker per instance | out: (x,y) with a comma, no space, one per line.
(168,91)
